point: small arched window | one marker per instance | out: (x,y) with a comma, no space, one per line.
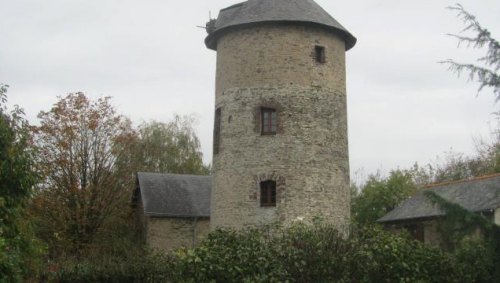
(268,193)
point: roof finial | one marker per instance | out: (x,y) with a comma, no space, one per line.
(210,26)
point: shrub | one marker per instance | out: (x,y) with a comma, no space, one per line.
(475,261)
(380,256)
(300,253)
(150,267)
(319,253)
(232,256)
(312,253)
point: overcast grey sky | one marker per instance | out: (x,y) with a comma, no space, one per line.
(150,57)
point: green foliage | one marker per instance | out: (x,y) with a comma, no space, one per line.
(380,256)
(487,67)
(147,267)
(171,147)
(380,195)
(300,253)
(18,251)
(318,254)
(476,261)
(459,223)
(459,227)
(231,256)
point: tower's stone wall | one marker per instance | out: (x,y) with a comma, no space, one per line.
(279,55)
(274,65)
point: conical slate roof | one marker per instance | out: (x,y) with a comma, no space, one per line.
(262,11)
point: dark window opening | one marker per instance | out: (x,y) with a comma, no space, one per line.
(416,231)
(268,121)
(320,54)
(268,193)
(217,126)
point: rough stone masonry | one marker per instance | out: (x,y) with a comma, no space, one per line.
(294,66)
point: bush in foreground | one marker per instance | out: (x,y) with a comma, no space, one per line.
(299,253)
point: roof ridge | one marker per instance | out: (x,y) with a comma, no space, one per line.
(172,174)
(446,183)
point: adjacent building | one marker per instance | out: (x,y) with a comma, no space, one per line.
(421,217)
(172,210)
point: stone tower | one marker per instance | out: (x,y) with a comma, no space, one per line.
(280,133)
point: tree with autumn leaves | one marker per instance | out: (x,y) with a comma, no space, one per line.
(88,155)
(78,143)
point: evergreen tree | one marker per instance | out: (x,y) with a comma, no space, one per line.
(485,70)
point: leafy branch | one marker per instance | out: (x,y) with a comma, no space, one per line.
(487,75)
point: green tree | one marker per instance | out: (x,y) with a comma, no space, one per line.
(380,195)
(485,70)
(171,147)
(79,142)
(17,249)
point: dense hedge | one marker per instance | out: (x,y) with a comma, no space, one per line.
(150,267)
(297,254)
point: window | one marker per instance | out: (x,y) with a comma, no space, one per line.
(416,231)
(268,121)
(319,52)
(268,193)
(217,122)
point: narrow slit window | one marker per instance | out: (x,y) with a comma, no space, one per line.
(320,54)
(217,126)
(268,121)
(268,193)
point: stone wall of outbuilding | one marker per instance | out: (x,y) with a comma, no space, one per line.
(168,234)
(429,228)
(431,233)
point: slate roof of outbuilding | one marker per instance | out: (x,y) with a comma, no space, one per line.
(476,195)
(262,11)
(174,195)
